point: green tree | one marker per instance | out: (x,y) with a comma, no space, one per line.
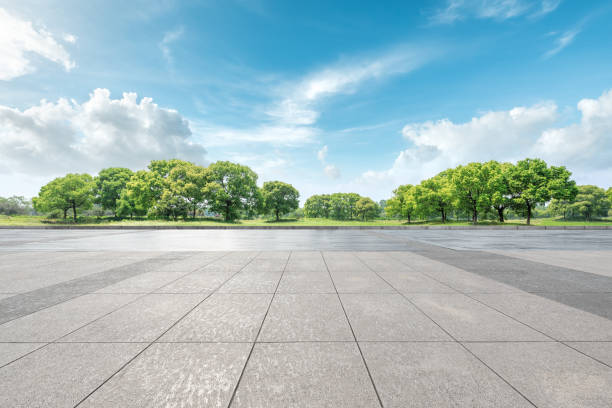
(366,208)
(279,198)
(73,191)
(110,183)
(470,188)
(15,205)
(499,186)
(591,201)
(403,203)
(560,207)
(435,195)
(231,188)
(187,181)
(317,206)
(532,182)
(142,192)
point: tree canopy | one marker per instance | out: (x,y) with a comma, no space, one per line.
(110,183)
(73,191)
(231,188)
(279,198)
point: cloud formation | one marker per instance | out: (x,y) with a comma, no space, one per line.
(456,10)
(19,39)
(562,41)
(584,147)
(52,138)
(330,170)
(169,38)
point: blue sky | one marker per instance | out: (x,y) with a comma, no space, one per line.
(329,96)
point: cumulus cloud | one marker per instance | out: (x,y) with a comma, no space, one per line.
(585,146)
(492,9)
(68,136)
(19,39)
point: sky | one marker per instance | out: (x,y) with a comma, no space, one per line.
(330,96)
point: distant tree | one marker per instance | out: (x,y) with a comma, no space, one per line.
(317,206)
(141,192)
(471,190)
(15,205)
(499,187)
(591,201)
(560,207)
(532,182)
(73,191)
(231,188)
(186,182)
(279,198)
(366,208)
(403,203)
(435,195)
(110,183)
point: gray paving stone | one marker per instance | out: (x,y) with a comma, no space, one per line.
(222,317)
(549,374)
(350,275)
(60,375)
(401,277)
(555,319)
(12,351)
(468,320)
(143,283)
(190,263)
(253,281)
(54,322)
(197,282)
(175,375)
(435,375)
(305,317)
(602,351)
(305,375)
(141,321)
(389,317)
(306,282)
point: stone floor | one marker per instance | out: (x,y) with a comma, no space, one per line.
(305,318)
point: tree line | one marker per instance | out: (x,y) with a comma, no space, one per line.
(169,189)
(477,189)
(341,206)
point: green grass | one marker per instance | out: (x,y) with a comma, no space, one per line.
(32,220)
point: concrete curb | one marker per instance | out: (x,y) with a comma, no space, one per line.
(302,227)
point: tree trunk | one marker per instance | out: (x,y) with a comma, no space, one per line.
(474,216)
(65,213)
(227,211)
(528,214)
(408,218)
(277,216)
(443,213)
(74,211)
(194,212)
(500,213)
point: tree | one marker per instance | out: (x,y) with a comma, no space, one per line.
(142,192)
(231,188)
(532,182)
(470,188)
(499,186)
(279,198)
(366,208)
(110,183)
(73,191)
(317,206)
(15,205)
(591,201)
(187,181)
(403,203)
(435,195)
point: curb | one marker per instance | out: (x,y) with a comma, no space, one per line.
(303,227)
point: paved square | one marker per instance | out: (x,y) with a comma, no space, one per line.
(325,318)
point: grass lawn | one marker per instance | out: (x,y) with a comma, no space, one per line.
(31,220)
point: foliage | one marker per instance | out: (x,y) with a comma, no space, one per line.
(470,188)
(366,209)
(532,182)
(231,188)
(110,183)
(279,198)
(591,201)
(337,206)
(15,205)
(403,203)
(317,206)
(73,191)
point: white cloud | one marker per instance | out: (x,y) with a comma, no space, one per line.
(19,39)
(69,38)
(492,9)
(322,154)
(52,138)
(298,104)
(169,38)
(278,135)
(562,41)
(584,147)
(332,171)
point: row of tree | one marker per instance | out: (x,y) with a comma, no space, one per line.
(341,206)
(170,189)
(482,188)
(590,202)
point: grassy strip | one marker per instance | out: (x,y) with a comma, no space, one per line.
(93,221)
